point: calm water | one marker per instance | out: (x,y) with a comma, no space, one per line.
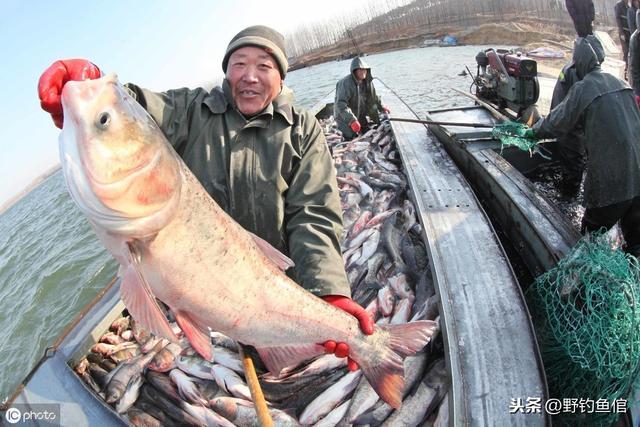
(52,265)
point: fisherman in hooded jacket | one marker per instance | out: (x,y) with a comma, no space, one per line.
(356,99)
(270,170)
(570,146)
(606,109)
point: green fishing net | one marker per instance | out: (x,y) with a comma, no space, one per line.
(587,316)
(511,134)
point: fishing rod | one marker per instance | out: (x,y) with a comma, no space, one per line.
(433,122)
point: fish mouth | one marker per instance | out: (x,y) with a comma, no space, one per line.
(113,189)
(76,94)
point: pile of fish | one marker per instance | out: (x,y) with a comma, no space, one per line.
(153,382)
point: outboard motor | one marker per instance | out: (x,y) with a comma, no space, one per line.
(507,79)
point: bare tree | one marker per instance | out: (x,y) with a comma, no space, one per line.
(390,19)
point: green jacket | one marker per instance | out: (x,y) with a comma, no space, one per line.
(273,174)
(345,109)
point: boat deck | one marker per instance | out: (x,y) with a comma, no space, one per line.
(490,343)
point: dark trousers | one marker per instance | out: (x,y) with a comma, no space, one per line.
(624,42)
(627,212)
(572,158)
(583,28)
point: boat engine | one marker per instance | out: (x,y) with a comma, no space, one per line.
(507,80)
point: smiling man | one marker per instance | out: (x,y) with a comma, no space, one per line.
(264,161)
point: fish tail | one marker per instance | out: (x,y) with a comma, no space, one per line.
(386,374)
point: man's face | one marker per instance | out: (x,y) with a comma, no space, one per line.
(254,79)
(361,73)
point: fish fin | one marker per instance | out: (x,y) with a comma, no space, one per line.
(142,305)
(387,376)
(409,338)
(197,335)
(278,258)
(277,358)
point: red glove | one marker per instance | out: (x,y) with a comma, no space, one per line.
(53,80)
(366,324)
(638,100)
(385,110)
(355,126)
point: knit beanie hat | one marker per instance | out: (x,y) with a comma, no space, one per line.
(259,36)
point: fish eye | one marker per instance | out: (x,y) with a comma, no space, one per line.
(103,120)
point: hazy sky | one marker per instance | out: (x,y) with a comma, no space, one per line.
(158,44)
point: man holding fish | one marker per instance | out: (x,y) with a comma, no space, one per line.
(217,263)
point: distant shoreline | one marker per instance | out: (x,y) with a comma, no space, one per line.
(39,180)
(527,32)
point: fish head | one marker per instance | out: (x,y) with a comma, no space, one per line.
(119,167)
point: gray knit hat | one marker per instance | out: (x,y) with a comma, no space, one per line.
(259,36)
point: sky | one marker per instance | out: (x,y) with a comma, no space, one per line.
(157,44)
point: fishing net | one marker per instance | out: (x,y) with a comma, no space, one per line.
(587,320)
(511,134)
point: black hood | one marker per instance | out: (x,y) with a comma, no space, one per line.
(358,62)
(588,54)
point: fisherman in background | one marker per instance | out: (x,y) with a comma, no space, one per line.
(632,10)
(355,100)
(634,60)
(582,14)
(264,161)
(605,107)
(621,11)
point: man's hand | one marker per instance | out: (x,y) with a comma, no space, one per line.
(385,109)
(55,77)
(355,126)
(638,100)
(341,349)
(529,133)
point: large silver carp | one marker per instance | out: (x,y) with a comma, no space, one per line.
(175,244)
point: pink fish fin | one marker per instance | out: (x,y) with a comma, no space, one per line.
(141,303)
(278,258)
(409,338)
(197,334)
(386,376)
(278,358)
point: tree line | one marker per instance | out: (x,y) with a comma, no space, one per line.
(390,19)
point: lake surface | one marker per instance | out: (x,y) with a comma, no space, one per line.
(52,265)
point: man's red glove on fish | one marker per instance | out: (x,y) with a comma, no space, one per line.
(341,349)
(355,126)
(55,77)
(385,109)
